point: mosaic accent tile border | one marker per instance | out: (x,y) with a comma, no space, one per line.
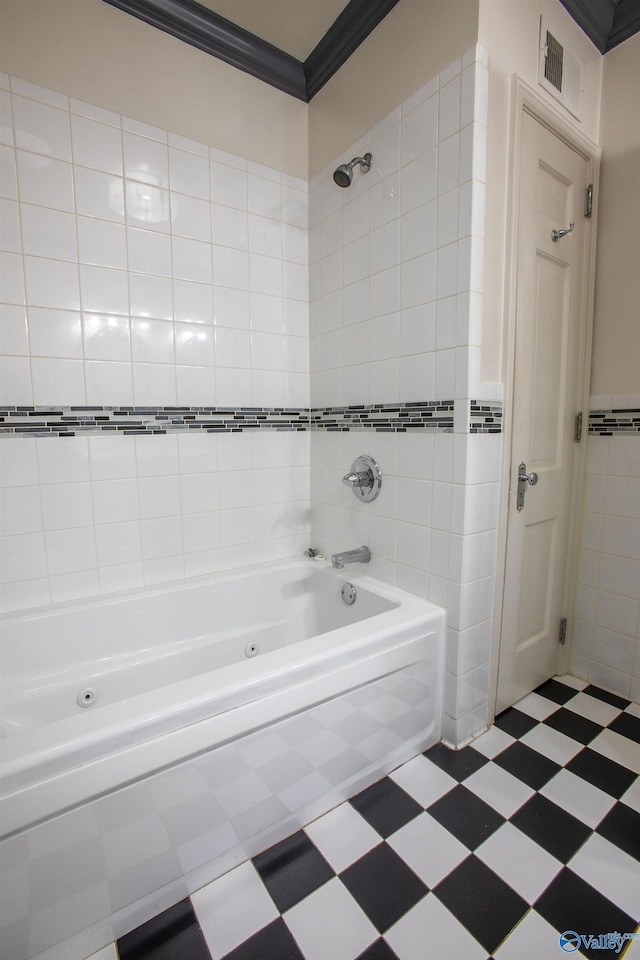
(434,415)
(485,417)
(74,421)
(607,423)
(430,415)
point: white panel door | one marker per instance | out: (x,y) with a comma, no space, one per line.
(549,324)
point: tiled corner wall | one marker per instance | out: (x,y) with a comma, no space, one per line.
(140,269)
(606,639)
(395,314)
(145,271)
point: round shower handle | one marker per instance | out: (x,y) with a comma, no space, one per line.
(364,478)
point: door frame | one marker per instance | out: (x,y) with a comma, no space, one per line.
(524,99)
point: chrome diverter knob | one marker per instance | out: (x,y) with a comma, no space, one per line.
(364,479)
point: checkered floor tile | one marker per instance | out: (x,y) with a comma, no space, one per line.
(492,851)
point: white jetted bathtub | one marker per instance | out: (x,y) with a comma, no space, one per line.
(155,738)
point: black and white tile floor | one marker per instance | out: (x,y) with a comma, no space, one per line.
(490,851)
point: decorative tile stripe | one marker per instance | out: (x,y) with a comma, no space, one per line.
(434,415)
(606,423)
(73,421)
(485,417)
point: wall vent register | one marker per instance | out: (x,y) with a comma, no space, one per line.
(559,70)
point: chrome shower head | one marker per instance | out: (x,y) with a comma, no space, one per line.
(344,173)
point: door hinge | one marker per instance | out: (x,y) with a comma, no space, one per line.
(577,435)
(563,631)
(588,202)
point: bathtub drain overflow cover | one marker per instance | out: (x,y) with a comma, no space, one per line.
(348,593)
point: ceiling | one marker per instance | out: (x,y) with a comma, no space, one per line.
(297,45)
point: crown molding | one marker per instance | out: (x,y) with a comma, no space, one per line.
(345,35)
(626,23)
(208,31)
(607,23)
(202,28)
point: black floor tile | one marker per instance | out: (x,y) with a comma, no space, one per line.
(603,773)
(292,870)
(172,935)
(386,806)
(574,726)
(379,950)
(515,722)
(527,765)
(482,902)
(569,903)
(627,725)
(273,942)
(459,764)
(383,885)
(622,827)
(466,816)
(556,691)
(607,697)
(553,828)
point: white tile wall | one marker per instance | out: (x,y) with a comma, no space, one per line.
(82,515)
(396,294)
(606,637)
(142,268)
(116,220)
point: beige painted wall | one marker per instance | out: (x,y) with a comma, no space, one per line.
(509,29)
(416,40)
(92,51)
(616,347)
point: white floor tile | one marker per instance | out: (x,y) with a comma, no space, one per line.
(532,939)
(425,781)
(493,742)
(552,744)
(429,930)
(632,796)
(570,681)
(611,871)
(107,953)
(521,862)
(500,789)
(618,748)
(428,848)
(329,923)
(233,908)
(578,797)
(342,836)
(537,706)
(633,709)
(593,709)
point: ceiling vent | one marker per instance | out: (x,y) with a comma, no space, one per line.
(558,69)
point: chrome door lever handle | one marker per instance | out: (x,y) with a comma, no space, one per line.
(531,478)
(559,234)
(524,479)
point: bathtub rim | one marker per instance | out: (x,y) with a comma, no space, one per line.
(185,584)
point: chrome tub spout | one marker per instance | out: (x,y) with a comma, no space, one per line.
(359,555)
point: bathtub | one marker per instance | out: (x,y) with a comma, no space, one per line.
(153,739)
